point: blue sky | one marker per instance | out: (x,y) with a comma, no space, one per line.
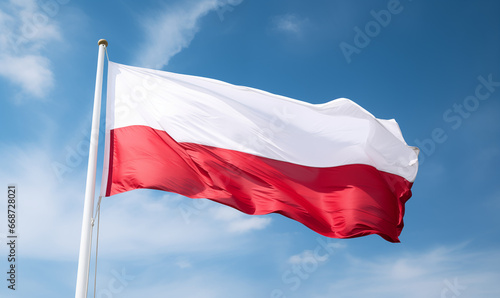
(431,65)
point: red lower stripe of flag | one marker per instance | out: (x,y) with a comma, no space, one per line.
(340,202)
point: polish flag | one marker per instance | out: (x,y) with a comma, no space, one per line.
(333,167)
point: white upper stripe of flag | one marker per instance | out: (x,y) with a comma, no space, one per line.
(214,113)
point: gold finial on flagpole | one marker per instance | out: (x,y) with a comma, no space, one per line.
(103,41)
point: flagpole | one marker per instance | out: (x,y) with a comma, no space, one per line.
(82,278)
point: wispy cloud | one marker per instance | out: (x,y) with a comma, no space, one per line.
(31,72)
(202,283)
(289,23)
(183,263)
(441,272)
(173,29)
(25,29)
(163,230)
(50,211)
(238,222)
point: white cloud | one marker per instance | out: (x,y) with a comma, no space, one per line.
(289,23)
(203,283)
(434,273)
(139,223)
(183,263)
(135,224)
(25,29)
(31,72)
(49,212)
(305,256)
(237,222)
(248,224)
(226,214)
(173,29)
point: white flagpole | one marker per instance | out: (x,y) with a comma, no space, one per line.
(82,278)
